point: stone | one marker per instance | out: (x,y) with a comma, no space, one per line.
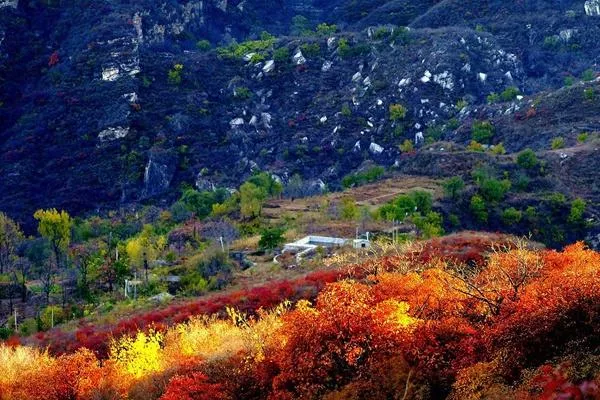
(375,148)
(110,134)
(326,66)
(158,173)
(592,8)
(110,74)
(236,122)
(299,58)
(269,66)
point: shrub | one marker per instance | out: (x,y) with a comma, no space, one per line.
(397,112)
(346,111)
(482,131)
(577,211)
(430,225)
(406,146)
(433,134)
(271,238)
(242,93)
(589,94)
(460,104)
(569,81)
(527,159)
(588,75)
(361,178)
(453,187)
(349,209)
(494,190)
(498,149)
(510,93)
(582,137)
(347,51)
(511,216)
(311,49)
(203,45)
(493,98)
(557,143)
(281,55)
(475,146)
(326,29)
(175,74)
(478,208)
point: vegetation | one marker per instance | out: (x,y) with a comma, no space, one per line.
(527,159)
(360,178)
(397,112)
(482,131)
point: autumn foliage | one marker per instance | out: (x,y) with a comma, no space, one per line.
(521,324)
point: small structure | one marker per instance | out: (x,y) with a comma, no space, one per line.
(309,244)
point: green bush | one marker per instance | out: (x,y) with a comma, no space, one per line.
(203,45)
(326,29)
(242,93)
(577,211)
(430,225)
(478,208)
(348,209)
(510,93)
(239,50)
(361,178)
(271,238)
(557,143)
(493,98)
(582,137)
(569,81)
(406,146)
(347,51)
(453,187)
(589,94)
(482,131)
(397,112)
(498,149)
(475,147)
(51,316)
(175,74)
(511,216)
(527,159)
(281,55)
(588,75)
(346,110)
(494,190)
(311,49)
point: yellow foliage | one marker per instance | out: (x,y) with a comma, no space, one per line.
(139,355)
(18,363)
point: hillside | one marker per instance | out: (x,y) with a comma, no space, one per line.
(106,104)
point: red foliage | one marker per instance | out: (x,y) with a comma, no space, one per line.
(192,387)
(54,59)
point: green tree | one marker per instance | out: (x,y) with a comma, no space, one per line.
(11,237)
(479,209)
(577,212)
(55,227)
(527,159)
(430,224)
(251,199)
(349,210)
(397,112)
(511,216)
(453,187)
(494,190)
(271,238)
(482,131)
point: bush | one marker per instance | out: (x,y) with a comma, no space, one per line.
(406,146)
(326,30)
(494,190)
(569,81)
(175,74)
(478,208)
(511,216)
(311,49)
(510,93)
(397,112)
(453,187)
(281,55)
(429,225)
(51,316)
(271,238)
(242,93)
(588,75)
(475,147)
(203,45)
(577,211)
(347,51)
(493,98)
(361,178)
(527,159)
(482,131)
(349,209)
(498,149)
(346,111)
(589,94)
(582,137)
(557,143)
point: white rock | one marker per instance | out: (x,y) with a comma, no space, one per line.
(367,81)
(236,122)
(379,102)
(323,119)
(592,7)
(375,148)
(249,56)
(331,42)
(269,66)
(253,121)
(299,58)
(419,137)
(404,82)
(9,3)
(131,97)
(482,77)
(356,77)
(110,134)
(417,126)
(445,80)
(357,145)
(508,75)
(326,66)
(266,118)
(566,35)
(110,74)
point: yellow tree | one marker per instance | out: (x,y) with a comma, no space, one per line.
(146,246)
(10,237)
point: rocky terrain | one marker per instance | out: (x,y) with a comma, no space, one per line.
(108,103)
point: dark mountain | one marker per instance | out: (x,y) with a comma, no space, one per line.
(112,102)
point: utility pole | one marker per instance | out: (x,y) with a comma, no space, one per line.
(16,326)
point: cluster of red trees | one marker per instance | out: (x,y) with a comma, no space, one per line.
(524,325)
